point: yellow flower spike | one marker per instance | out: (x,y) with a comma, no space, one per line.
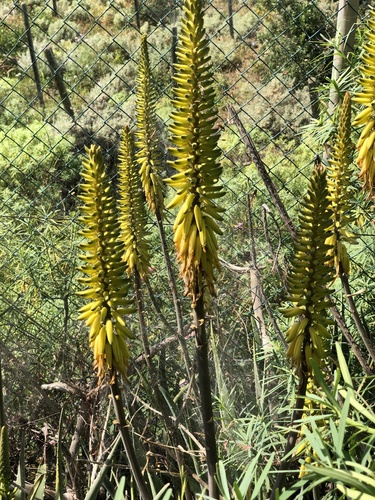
(148,155)
(340,190)
(133,217)
(366,117)
(196,154)
(107,286)
(5,470)
(309,277)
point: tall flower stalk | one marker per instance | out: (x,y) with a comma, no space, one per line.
(148,154)
(341,196)
(104,271)
(340,189)
(107,286)
(132,213)
(308,336)
(195,227)
(149,161)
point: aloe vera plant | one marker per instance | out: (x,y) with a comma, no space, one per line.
(309,276)
(196,161)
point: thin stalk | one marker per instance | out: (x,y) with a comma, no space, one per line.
(156,307)
(353,346)
(173,287)
(143,487)
(142,324)
(262,169)
(292,436)
(170,427)
(205,392)
(354,312)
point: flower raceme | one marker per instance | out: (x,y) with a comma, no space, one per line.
(196,154)
(366,117)
(103,269)
(308,278)
(340,190)
(133,217)
(148,154)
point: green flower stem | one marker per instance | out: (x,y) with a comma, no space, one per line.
(284,468)
(143,487)
(175,296)
(354,312)
(199,329)
(170,426)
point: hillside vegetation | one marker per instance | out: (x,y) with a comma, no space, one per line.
(271,64)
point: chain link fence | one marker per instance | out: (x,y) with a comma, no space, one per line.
(68,77)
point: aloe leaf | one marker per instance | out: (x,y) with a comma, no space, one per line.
(19,493)
(92,494)
(37,491)
(120,489)
(260,481)
(222,480)
(165,493)
(343,366)
(59,463)
(354,494)
(341,476)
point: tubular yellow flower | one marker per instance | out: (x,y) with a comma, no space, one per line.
(340,190)
(148,155)
(366,117)
(196,154)
(133,218)
(5,471)
(308,336)
(104,270)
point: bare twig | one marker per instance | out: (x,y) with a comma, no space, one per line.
(275,256)
(60,84)
(156,307)
(262,169)
(354,312)
(173,287)
(345,331)
(143,487)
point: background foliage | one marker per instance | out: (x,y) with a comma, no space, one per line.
(270,61)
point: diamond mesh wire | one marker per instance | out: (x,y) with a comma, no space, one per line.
(267,63)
